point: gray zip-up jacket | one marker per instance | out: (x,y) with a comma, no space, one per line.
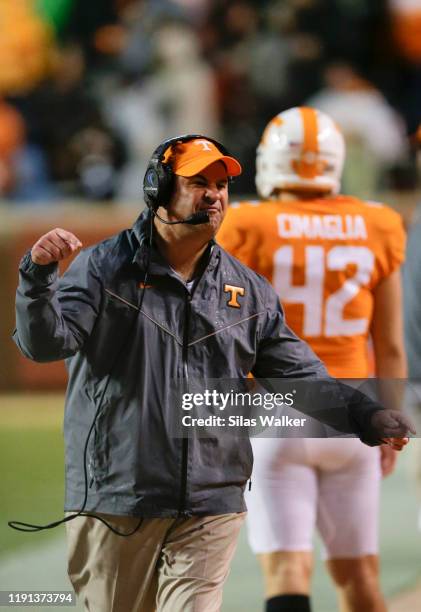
(120,363)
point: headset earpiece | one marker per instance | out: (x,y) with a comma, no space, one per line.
(158,182)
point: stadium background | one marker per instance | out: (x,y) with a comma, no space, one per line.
(87,90)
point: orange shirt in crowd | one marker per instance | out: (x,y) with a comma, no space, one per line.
(26,47)
(406,26)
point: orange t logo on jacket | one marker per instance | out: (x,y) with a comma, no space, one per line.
(234,292)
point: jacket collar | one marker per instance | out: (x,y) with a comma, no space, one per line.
(141,227)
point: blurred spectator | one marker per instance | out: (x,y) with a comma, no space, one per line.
(85,18)
(406,21)
(65,122)
(131,39)
(374,132)
(177,98)
(26,47)
(183,85)
(406,17)
(196,10)
(255,46)
(12,136)
(323,29)
(32,183)
(350,29)
(140,21)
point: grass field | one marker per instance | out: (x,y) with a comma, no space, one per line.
(31,490)
(32,475)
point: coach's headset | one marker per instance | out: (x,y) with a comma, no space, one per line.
(159,179)
(158,185)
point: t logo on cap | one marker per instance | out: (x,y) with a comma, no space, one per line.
(204,143)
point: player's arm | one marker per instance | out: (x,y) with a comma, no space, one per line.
(54,316)
(387,328)
(389,351)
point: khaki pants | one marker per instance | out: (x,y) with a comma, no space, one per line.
(167,565)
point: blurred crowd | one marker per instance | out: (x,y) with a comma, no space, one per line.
(88,89)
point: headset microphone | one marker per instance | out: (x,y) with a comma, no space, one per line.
(195,219)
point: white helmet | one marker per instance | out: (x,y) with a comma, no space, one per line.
(301,148)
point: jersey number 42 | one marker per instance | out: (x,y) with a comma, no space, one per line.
(324,315)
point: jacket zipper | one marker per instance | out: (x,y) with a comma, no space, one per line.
(185,441)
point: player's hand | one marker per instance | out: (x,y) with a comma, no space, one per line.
(388,457)
(54,246)
(392,424)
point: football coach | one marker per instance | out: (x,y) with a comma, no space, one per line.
(155,303)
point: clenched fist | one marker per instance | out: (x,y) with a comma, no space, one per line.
(54,246)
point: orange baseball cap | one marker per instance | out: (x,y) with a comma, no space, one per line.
(191,157)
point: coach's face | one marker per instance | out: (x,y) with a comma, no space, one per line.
(206,191)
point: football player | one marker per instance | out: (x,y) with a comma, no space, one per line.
(334,261)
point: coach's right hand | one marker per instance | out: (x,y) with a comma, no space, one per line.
(54,246)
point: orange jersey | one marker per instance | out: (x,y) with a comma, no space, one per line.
(324,257)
